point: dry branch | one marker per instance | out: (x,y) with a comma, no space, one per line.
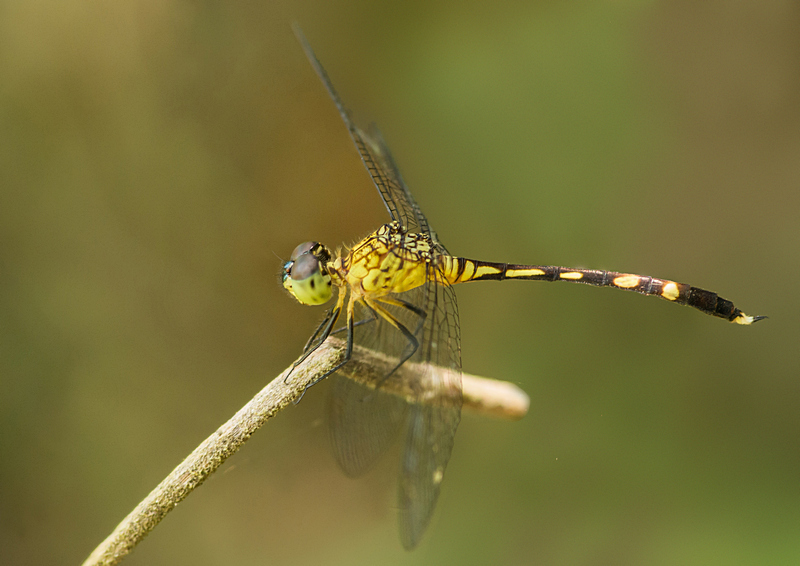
(481,395)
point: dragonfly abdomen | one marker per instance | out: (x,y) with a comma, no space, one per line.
(461,270)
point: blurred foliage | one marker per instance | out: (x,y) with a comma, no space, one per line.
(156,157)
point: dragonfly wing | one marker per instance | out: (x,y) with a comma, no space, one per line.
(365,145)
(363,423)
(428,445)
(394,192)
(376,156)
(392,188)
(432,424)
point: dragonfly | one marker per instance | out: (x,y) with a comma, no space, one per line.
(394,291)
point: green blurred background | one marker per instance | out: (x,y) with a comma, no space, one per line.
(157,157)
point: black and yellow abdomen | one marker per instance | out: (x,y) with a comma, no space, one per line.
(461,270)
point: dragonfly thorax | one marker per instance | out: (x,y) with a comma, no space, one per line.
(390,260)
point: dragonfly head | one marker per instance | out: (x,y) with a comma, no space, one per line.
(305,275)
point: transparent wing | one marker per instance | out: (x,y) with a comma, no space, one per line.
(365,421)
(362,423)
(393,190)
(395,193)
(376,157)
(431,425)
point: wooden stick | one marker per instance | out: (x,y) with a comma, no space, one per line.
(481,395)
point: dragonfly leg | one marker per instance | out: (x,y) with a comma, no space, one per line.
(321,334)
(373,317)
(319,329)
(348,353)
(408,306)
(413,343)
(310,348)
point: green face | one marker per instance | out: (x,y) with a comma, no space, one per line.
(305,275)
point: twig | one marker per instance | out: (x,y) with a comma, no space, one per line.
(481,395)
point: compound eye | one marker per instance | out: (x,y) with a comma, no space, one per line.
(304,266)
(303,248)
